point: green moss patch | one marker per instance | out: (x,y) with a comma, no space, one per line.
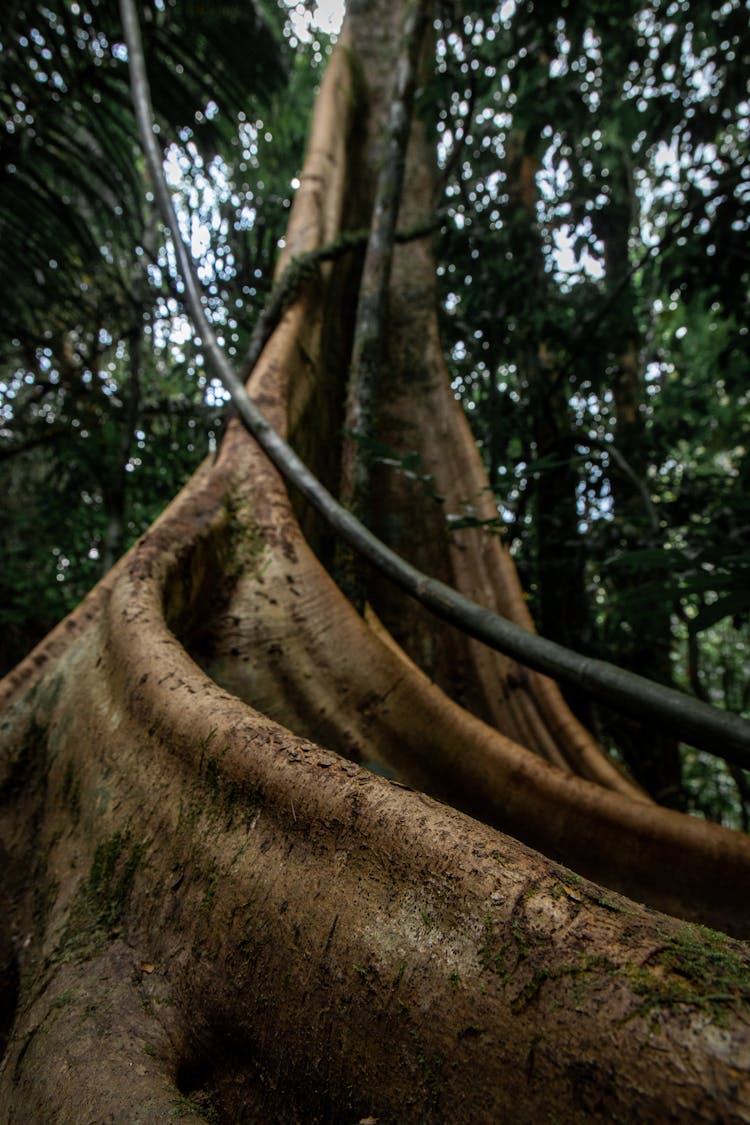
(576,971)
(101,900)
(698,967)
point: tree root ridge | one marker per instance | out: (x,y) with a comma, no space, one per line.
(363,949)
(92,1047)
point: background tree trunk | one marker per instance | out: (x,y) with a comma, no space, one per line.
(563,612)
(645,645)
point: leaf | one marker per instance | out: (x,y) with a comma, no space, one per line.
(733,604)
(647,558)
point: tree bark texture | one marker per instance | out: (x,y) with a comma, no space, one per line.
(560,558)
(213,910)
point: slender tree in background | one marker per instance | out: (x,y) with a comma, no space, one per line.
(213,909)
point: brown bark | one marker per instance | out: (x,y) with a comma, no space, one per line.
(648,646)
(562,600)
(206,906)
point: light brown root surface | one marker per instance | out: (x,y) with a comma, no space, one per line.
(92,1047)
(350,946)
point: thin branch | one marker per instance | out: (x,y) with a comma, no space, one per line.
(628,472)
(719,732)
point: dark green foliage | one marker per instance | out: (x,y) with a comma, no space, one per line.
(58,495)
(595,285)
(104,405)
(71,182)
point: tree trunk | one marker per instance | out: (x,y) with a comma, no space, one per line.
(645,638)
(211,916)
(562,598)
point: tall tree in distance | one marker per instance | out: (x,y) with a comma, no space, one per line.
(214,910)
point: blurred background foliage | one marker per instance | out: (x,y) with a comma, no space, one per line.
(593,189)
(597,186)
(105,408)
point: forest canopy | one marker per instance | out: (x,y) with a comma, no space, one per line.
(591,226)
